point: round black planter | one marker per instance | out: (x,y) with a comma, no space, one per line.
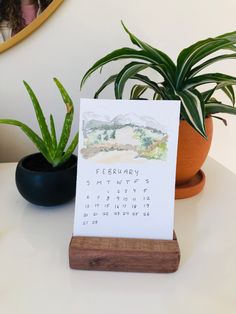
(44,185)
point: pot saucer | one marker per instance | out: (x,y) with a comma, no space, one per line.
(192,187)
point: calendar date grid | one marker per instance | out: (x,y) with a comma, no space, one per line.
(119,199)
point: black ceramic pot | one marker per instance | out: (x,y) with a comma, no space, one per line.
(41,184)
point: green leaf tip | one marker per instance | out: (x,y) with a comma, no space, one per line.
(125,28)
(65,96)
(26,85)
(133,38)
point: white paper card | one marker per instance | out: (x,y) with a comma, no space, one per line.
(126,168)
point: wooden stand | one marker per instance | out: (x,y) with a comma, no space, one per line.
(123,254)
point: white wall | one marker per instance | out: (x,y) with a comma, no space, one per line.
(79,33)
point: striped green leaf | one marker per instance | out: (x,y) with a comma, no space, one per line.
(215,45)
(179,81)
(153,85)
(205,64)
(128,71)
(192,110)
(231,36)
(156,96)
(231,48)
(221,119)
(206,95)
(128,53)
(137,91)
(161,70)
(195,53)
(229,91)
(217,107)
(184,59)
(158,56)
(217,78)
(123,53)
(109,81)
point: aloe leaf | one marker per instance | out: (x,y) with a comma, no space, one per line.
(128,71)
(137,91)
(216,78)
(53,133)
(159,56)
(70,149)
(218,107)
(39,143)
(65,96)
(40,117)
(65,134)
(192,110)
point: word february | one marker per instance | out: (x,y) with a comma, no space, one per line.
(115,171)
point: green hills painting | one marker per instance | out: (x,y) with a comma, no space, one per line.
(125,138)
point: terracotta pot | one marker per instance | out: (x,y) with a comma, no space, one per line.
(192,152)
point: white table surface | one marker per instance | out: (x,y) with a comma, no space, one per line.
(35,277)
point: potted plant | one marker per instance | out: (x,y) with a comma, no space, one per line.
(48,178)
(179,81)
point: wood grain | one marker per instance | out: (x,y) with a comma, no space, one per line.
(122,254)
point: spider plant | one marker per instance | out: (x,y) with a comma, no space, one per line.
(180,80)
(53,150)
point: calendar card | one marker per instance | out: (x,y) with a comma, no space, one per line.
(126,168)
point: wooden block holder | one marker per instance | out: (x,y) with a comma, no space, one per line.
(123,254)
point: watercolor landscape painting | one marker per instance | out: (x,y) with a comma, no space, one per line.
(124,138)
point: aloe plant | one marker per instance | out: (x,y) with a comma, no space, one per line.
(180,80)
(54,150)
